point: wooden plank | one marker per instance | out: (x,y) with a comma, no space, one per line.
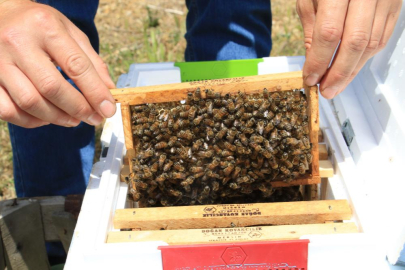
(22,234)
(224,235)
(65,224)
(73,204)
(126,122)
(320,135)
(297,182)
(178,91)
(323,152)
(326,168)
(231,215)
(124,174)
(313,106)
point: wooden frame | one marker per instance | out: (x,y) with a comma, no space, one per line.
(251,85)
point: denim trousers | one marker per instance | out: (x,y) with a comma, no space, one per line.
(54,160)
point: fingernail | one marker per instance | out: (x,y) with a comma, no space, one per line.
(45,123)
(73,122)
(329,92)
(312,79)
(95,119)
(107,108)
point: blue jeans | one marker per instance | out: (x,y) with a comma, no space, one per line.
(54,160)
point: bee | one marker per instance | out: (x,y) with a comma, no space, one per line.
(296,160)
(257,103)
(265,105)
(197,95)
(288,164)
(209,122)
(309,158)
(215,186)
(147,154)
(196,169)
(197,145)
(230,146)
(230,106)
(161,178)
(265,93)
(210,133)
(274,136)
(243,179)
(175,193)
(206,154)
(240,112)
(273,163)
(220,134)
(284,133)
(301,168)
(231,133)
(253,175)
(141,185)
(214,163)
(234,186)
(273,107)
(138,108)
(191,114)
(161,145)
(172,141)
(190,99)
(178,167)
(226,153)
(209,93)
(198,120)
(198,175)
(256,147)
(247,130)
(297,95)
(221,113)
(187,135)
(168,166)
(186,183)
(211,174)
(155,166)
(179,175)
(142,120)
(256,139)
(306,143)
(250,123)
(269,127)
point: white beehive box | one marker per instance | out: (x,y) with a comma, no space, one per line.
(368,172)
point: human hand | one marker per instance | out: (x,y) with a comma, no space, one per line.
(362,27)
(33,39)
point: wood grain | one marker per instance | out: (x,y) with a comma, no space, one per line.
(178,91)
(323,152)
(326,167)
(226,235)
(231,215)
(126,122)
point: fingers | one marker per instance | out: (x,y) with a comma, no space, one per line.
(9,112)
(327,33)
(84,43)
(77,65)
(306,11)
(26,97)
(356,37)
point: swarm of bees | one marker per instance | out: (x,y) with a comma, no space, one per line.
(215,149)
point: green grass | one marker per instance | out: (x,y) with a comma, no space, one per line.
(132,32)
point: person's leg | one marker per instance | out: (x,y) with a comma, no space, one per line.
(225,30)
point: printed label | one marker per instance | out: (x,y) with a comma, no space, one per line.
(232,234)
(230,210)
